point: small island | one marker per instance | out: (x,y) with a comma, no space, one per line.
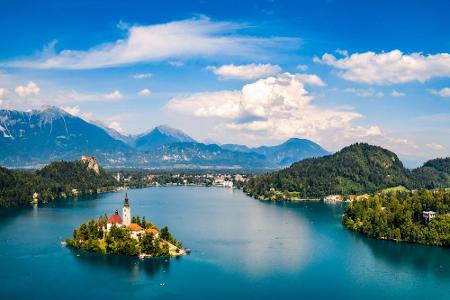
(126,235)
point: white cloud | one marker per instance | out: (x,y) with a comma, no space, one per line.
(310,79)
(144,92)
(302,67)
(245,72)
(142,76)
(389,67)
(174,40)
(73,110)
(31,89)
(277,106)
(76,111)
(26,97)
(2,92)
(359,132)
(364,92)
(435,147)
(444,92)
(115,95)
(341,52)
(397,94)
(116,126)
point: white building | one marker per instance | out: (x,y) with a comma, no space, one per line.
(333,198)
(228,184)
(428,215)
(125,221)
(223,181)
(126,212)
(239,177)
(135,230)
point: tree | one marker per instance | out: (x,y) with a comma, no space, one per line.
(164,233)
(147,244)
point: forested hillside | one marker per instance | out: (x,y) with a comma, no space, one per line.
(356,169)
(58,179)
(398,216)
(433,174)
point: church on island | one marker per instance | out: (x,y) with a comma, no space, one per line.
(125,221)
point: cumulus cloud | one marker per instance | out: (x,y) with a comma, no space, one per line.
(302,67)
(341,52)
(245,72)
(76,111)
(174,40)
(2,92)
(435,147)
(116,126)
(275,106)
(144,92)
(142,76)
(389,67)
(397,94)
(115,95)
(444,92)
(310,79)
(364,92)
(73,110)
(30,89)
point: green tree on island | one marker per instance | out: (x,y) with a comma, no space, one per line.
(91,236)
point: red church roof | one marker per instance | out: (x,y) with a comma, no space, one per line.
(152,231)
(135,227)
(115,218)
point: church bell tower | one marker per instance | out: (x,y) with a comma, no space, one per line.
(126,212)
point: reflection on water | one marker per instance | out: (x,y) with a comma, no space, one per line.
(133,267)
(426,260)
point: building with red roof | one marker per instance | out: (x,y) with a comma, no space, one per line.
(153,232)
(115,218)
(135,230)
(135,227)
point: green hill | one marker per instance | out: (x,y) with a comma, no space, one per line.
(58,179)
(433,174)
(357,169)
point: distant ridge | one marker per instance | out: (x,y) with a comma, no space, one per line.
(42,136)
(161,135)
(284,154)
(34,138)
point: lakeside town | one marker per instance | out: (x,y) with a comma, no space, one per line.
(186,178)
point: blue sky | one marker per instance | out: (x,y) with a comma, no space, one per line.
(251,72)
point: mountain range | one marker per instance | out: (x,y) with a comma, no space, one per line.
(37,137)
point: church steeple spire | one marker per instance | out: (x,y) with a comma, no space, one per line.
(125,203)
(126,211)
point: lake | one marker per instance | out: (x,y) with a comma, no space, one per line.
(241,248)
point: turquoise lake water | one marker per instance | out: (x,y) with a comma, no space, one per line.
(241,249)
